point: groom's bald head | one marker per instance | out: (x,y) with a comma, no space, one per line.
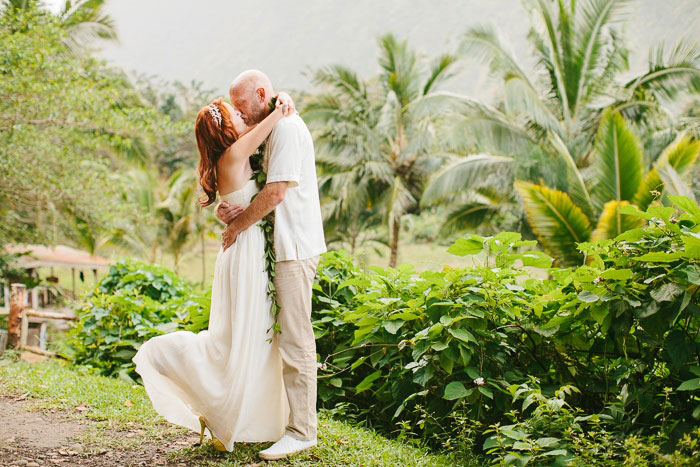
(250,93)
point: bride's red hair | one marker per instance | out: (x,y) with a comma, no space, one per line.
(212,140)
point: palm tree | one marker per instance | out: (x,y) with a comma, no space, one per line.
(178,215)
(84,20)
(618,179)
(546,126)
(375,152)
(204,222)
(141,237)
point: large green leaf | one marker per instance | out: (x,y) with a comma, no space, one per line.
(612,222)
(618,161)
(680,155)
(557,221)
(455,390)
(648,189)
(368,381)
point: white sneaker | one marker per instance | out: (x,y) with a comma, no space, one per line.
(286,446)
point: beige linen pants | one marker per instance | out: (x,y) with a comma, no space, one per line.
(293,282)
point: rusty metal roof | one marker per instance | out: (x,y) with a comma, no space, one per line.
(58,255)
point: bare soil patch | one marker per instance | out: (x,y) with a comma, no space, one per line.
(33,439)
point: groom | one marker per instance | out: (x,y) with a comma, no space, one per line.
(292,192)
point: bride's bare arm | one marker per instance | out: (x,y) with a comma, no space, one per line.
(247,144)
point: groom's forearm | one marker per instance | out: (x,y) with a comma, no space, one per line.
(267,200)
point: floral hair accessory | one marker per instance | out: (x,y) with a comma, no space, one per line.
(215,113)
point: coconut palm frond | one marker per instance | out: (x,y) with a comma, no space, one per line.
(612,222)
(578,189)
(552,53)
(674,185)
(469,216)
(86,23)
(440,70)
(343,80)
(520,98)
(558,223)
(618,161)
(681,156)
(482,43)
(670,72)
(596,44)
(400,68)
(464,174)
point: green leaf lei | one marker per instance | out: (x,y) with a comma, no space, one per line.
(267,224)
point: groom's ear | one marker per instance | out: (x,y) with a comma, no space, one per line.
(261,94)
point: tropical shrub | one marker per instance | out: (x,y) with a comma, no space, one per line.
(132,303)
(620,334)
(554,433)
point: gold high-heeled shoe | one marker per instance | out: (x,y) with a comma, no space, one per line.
(218,445)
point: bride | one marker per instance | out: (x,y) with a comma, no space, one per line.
(229,377)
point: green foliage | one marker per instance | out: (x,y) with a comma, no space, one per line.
(70,121)
(554,433)
(11,271)
(131,304)
(617,180)
(83,20)
(614,333)
(546,122)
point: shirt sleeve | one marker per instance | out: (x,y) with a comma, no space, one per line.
(285,155)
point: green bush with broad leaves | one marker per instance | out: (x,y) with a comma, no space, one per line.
(616,338)
(132,303)
(510,361)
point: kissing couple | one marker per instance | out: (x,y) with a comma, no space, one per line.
(241,379)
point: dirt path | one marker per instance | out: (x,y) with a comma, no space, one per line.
(34,439)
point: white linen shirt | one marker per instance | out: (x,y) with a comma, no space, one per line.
(289,157)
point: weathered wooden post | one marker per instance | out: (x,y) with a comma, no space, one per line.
(14,323)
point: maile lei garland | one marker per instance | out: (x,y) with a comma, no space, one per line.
(267,225)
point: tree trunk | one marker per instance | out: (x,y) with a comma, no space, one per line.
(153,254)
(204,258)
(394,244)
(14,322)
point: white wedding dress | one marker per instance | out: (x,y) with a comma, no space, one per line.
(230,374)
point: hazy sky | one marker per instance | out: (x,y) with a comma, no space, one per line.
(212,40)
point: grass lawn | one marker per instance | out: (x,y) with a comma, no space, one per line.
(121,419)
(423,256)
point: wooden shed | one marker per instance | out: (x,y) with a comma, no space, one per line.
(29,330)
(57,256)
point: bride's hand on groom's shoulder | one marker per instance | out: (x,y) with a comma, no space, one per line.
(227,213)
(285,104)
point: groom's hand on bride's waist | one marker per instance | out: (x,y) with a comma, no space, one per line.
(229,235)
(227,213)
